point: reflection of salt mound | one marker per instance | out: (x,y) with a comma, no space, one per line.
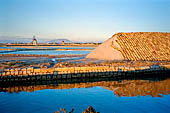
(134,46)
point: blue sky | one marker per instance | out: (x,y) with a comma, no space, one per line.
(82,20)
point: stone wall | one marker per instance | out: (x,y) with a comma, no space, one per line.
(69,70)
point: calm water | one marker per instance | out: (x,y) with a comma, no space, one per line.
(47,52)
(125,96)
(49,48)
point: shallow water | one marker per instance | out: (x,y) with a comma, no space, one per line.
(104,95)
(48,48)
(46,52)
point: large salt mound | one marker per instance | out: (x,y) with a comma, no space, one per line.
(134,46)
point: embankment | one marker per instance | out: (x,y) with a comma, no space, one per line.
(31,74)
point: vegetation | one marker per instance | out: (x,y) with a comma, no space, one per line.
(90,109)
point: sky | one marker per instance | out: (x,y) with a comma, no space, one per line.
(82,20)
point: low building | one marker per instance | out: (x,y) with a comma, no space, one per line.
(34,42)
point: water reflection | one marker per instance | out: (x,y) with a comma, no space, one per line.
(154,87)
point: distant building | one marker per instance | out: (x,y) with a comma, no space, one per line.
(34,42)
(62,42)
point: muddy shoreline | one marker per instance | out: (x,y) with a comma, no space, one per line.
(9,61)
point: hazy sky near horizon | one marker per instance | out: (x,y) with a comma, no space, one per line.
(82,20)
